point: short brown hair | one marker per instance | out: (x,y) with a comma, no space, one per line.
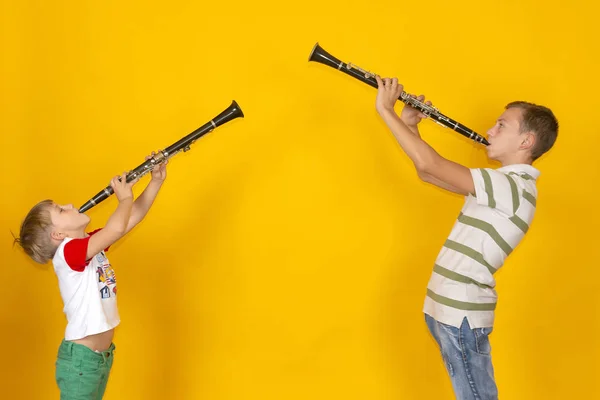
(35,236)
(541,121)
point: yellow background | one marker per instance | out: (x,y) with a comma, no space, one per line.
(288,253)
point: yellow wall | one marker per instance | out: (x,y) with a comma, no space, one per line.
(288,253)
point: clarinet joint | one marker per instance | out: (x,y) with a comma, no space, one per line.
(367,74)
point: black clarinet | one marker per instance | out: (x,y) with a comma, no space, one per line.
(183,144)
(319,55)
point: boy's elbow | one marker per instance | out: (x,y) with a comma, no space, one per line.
(424,176)
(426,165)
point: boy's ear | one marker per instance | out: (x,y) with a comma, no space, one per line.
(57,235)
(527,141)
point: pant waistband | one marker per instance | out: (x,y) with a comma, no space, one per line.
(71,348)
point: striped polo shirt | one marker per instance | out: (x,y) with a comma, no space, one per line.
(489,227)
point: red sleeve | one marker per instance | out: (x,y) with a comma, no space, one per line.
(76,250)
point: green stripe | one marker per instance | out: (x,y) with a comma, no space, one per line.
(487,228)
(458,277)
(461,305)
(487,180)
(469,252)
(529,197)
(523,175)
(515,193)
(522,225)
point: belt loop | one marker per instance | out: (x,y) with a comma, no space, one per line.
(110,352)
(76,360)
(70,348)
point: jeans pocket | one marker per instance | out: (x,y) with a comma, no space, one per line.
(88,367)
(482,340)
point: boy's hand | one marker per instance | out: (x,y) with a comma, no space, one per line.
(411,116)
(122,188)
(159,172)
(387,94)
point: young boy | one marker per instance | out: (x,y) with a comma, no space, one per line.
(499,207)
(86,280)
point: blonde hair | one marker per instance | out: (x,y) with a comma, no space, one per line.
(35,232)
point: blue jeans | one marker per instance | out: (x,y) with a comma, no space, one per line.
(467,355)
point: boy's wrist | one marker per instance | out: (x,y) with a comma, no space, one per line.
(386,111)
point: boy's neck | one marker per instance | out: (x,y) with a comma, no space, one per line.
(79,234)
(76,234)
(516,160)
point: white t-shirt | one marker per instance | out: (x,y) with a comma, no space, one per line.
(88,289)
(489,227)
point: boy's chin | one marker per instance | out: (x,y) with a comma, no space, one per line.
(491,154)
(85,221)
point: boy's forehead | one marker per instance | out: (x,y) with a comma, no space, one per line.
(512,114)
(512,117)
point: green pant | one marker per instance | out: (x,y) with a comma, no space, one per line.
(81,373)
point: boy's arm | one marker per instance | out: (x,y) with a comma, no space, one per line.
(143,203)
(430,166)
(116,225)
(435,181)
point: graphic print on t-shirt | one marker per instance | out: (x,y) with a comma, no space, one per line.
(107,281)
